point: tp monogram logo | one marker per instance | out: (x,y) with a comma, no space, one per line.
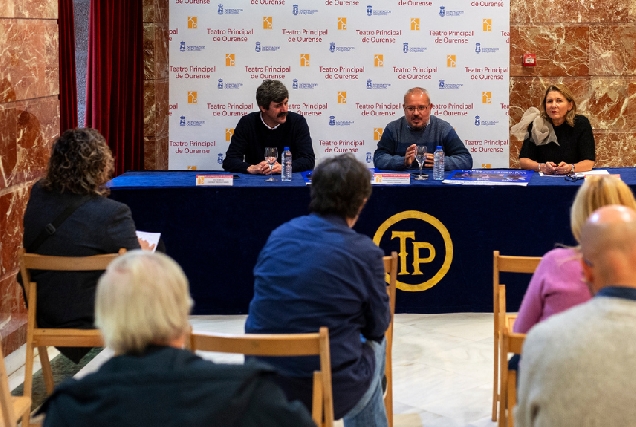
(192,22)
(304,60)
(192,97)
(267,22)
(429,260)
(378,60)
(228,133)
(342,23)
(451,61)
(486,97)
(486,25)
(377,133)
(342,97)
(415,24)
(230,59)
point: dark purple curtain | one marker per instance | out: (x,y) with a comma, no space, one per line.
(68,84)
(114,84)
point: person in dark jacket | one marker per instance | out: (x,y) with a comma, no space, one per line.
(142,309)
(79,167)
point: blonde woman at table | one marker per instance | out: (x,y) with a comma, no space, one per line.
(558,141)
(558,283)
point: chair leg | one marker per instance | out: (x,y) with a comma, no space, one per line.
(503,384)
(28,381)
(495,383)
(512,397)
(47,372)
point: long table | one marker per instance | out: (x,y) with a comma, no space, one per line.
(445,234)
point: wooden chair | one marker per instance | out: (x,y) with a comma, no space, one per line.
(40,338)
(510,343)
(507,264)
(12,407)
(282,345)
(390,268)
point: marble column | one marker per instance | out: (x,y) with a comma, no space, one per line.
(156,84)
(587,45)
(29,121)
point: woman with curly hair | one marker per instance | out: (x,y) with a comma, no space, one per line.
(80,165)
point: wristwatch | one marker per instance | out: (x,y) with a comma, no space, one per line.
(572,168)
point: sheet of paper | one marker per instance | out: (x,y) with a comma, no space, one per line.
(580,174)
(151,238)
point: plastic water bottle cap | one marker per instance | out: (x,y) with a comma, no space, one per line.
(286,149)
(439,147)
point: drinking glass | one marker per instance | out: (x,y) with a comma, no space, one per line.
(420,156)
(271,155)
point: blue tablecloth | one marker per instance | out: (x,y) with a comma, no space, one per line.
(216,233)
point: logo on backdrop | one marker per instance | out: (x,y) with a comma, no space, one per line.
(302,85)
(479,122)
(446,86)
(378,60)
(342,97)
(228,133)
(342,23)
(486,97)
(184,122)
(333,48)
(415,24)
(183,47)
(219,159)
(371,85)
(227,85)
(192,97)
(486,25)
(267,22)
(377,133)
(334,122)
(422,264)
(375,12)
(262,48)
(297,11)
(451,61)
(479,49)
(221,10)
(230,59)
(369,157)
(443,12)
(413,49)
(192,22)
(304,60)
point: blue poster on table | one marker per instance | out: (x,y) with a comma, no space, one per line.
(490,177)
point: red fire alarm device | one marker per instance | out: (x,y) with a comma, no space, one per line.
(529,59)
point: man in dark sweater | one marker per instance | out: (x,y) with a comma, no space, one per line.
(396,148)
(273,126)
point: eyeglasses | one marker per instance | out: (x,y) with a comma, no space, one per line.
(420,108)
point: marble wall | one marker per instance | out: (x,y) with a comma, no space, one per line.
(156,84)
(587,45)
(29,121)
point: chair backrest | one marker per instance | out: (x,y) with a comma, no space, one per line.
(390,269)
(281,345)
(504,264)
(12,407)
(60,337)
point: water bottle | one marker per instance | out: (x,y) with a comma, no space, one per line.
(286,172)
(438,164)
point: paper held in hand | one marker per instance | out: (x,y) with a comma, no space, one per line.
(151,238)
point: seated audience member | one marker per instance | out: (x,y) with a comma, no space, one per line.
(142,309)
(558,282)
(557,141)
(396,148)
(317,271)
(577,365)
(272,126)
(79,167)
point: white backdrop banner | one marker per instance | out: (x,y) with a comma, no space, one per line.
(346,64)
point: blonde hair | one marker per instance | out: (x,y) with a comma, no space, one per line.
(598,191)
(569,117)
(142,299)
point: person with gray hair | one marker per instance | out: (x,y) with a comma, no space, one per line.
(273,126)
(142,309)
(317,271)
(578,367)
(396,148)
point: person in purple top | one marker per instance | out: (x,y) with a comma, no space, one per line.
(558,284)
